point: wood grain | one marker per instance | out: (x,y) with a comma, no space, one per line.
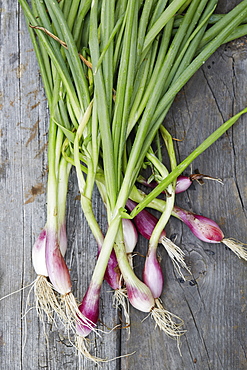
(212,302)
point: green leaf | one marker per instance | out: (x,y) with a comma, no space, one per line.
(69,134)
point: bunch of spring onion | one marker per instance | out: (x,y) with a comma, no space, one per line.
(111,70)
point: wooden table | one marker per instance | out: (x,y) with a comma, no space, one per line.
(212,302)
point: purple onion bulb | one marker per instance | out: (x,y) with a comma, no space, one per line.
(112,274)
(202,227)
(57,269)
(140,295)
(89,308)
(182,184)
(153,275)
(144,221)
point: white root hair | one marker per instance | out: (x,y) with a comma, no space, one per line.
(120,300)
(167,321)
(81,344)
(46,300)
(240,249)
(176,254)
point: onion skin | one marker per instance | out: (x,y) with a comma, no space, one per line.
(130,235)
(57,269)
(144,221)
(140,296)
(112,273)
(182,184)
(153,275)
(39,247)
(38,254)
(202,227)
(89,308)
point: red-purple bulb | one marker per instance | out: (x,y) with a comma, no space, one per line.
(182,184)
(202,227)
(89,308)
(58,271)
(139,295)
(144,221)
(112,274)
(153,275)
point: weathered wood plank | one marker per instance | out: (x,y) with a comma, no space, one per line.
(214,309)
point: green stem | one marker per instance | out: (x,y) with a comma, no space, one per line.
(223,22)
(63,31)
(160,23)
(86,203)
(103,112)
(53,50)
(186,162)
(170,200)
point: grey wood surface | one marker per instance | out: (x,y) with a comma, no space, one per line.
(212,303)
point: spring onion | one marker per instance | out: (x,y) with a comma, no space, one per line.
(111,70)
